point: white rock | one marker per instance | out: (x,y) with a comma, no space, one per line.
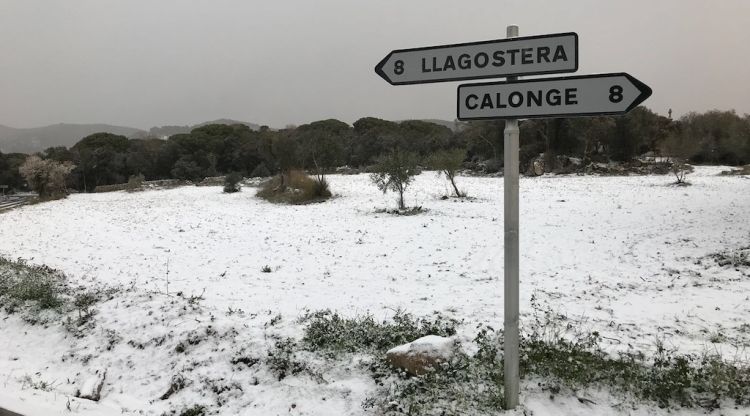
(418,356)
(92,387)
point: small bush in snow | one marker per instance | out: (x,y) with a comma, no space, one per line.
(21,282)
(135,183)
(448,162)
(395,171)
(328,330)
(294,187)
(197,410)
(281,359)
(232,182)
(680,169)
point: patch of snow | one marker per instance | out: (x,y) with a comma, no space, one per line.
(618,255)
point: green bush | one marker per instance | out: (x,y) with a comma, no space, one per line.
(281,359)
(395,171)
(328,330)
(232,182)
(21,282)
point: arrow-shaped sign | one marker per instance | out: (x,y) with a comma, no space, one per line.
(587,95)
(544,54)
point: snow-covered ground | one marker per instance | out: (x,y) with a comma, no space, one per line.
(626,256)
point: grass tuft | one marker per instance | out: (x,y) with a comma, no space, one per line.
(295,187)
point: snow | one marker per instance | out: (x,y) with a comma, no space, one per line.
(432,345)
(625,256)
(92,387)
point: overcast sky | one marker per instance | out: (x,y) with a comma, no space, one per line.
(144,63)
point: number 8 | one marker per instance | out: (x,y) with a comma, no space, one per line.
(615,94)
(398,67)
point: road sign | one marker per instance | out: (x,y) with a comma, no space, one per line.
(544,54)
(587,95)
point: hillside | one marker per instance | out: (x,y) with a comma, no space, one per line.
(31,140)
(36,139)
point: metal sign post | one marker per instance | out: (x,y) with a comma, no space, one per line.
(510,216)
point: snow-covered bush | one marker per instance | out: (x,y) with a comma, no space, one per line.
(20,282)
(232,182)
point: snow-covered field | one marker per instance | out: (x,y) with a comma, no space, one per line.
(626,256)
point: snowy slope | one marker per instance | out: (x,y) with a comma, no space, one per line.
(624,255)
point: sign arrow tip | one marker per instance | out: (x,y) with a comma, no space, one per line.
(645,91)
(379,68)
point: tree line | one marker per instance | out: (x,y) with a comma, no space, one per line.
(714,137)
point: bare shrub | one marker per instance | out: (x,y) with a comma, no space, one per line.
(448,162)
(680,169)
(46,177)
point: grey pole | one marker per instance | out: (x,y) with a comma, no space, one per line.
(510,214)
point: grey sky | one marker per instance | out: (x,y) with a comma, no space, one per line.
(143,63)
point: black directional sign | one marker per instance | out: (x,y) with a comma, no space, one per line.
(587,95)
(545,54)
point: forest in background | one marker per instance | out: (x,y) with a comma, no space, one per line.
(713,137)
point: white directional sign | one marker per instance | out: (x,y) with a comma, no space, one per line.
(587,95)
(545,54)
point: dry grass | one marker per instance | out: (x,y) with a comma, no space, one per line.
(297,188)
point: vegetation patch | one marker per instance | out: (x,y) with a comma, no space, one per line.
(550,350)
(742,171)
(394,171)
(43,295)
(282,361)
(21,282)
(295,187)
(197,410)
(232,182)
(404,212)
(448,163)
(739,258)
(326,330)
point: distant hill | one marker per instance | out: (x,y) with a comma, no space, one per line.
(31,140)
(36,139)
(166,131)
